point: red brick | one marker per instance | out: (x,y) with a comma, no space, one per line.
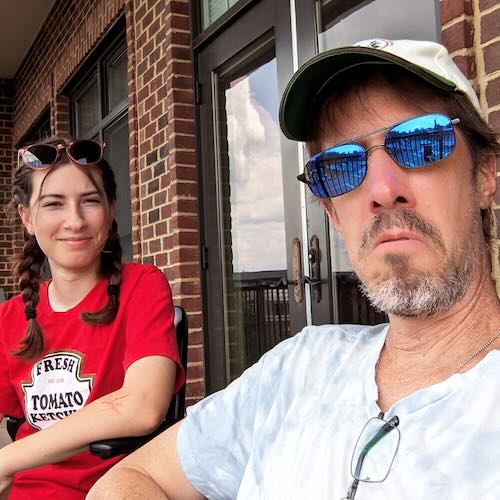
(197,371)
(458,36)
(490,26)
(195,389)
(486,4)
(492,57)
(494,120)
(467,65)
(493,92)
(450,9)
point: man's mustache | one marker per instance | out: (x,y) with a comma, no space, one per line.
(404,219)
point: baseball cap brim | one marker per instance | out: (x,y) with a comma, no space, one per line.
(300,97)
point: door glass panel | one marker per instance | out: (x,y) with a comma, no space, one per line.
(252,214)
(347,21)
(344,22)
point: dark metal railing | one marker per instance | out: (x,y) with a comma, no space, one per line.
(264,310)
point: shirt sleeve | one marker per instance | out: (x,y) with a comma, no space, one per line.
(150,322)
(9,401)
(215,439)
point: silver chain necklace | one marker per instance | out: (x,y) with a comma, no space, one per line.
(469,358)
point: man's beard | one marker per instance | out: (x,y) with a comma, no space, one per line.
(413,293)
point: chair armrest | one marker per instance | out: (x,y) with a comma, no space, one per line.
(109,448)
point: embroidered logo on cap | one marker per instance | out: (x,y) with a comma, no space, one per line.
(375,43)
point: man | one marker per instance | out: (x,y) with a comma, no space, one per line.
(405,169)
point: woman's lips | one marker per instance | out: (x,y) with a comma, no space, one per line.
(76,242)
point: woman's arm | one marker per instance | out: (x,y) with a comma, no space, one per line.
(152,472)
(135,409)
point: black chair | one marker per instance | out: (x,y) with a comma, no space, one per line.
(117,446)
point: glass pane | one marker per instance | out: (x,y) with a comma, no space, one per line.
(344,22)
(347,21)
(117,81)
(252,211)
(211,10)
(87,109)
(116,138)
(375,451)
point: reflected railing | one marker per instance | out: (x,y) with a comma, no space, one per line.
(265,312)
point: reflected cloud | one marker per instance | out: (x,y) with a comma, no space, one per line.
(257,212)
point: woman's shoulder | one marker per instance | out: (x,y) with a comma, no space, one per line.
(12,311)
(143,275)
(132,270)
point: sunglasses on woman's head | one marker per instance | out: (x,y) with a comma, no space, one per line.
(41,156)
(414,143)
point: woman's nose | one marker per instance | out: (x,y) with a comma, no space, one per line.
(75,220)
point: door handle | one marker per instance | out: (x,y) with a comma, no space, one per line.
(297,281)
(282,282)
(311,282)
(314,281)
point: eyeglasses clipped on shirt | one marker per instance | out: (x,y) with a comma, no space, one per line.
(374,453)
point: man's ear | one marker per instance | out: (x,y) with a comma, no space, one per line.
(25,214)
(332,214)
(487,181)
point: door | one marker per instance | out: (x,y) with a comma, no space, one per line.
(271,261)
(253,255)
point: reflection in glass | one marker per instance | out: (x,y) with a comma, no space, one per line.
(116,138)
(251,196)
(211,10)
(117,77)
(87,109)
(342,22)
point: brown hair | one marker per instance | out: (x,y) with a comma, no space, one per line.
(28,263)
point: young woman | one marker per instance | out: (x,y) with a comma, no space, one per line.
(90,353)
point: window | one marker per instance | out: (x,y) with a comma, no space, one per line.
(39,131)
(99,110)
(211,10)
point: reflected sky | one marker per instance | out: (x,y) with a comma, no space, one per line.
(256,194)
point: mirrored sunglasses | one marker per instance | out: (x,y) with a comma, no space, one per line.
(41,156)
(414,143)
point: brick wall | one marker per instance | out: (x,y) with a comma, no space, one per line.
(162,143)
(6,161)
(471,31)
(161,125)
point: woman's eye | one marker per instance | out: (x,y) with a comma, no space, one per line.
(92,200)
(52,204)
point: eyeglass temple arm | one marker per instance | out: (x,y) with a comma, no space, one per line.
(384,430)
(302,178)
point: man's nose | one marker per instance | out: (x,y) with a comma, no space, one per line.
(387,182)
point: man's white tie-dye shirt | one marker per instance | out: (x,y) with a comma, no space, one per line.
(287,427)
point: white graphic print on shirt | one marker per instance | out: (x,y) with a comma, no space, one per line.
(56,389)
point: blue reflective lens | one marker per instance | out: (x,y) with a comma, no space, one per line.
(337,170)
(421,141)
(414,143)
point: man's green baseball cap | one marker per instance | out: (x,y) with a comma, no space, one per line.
(315,80)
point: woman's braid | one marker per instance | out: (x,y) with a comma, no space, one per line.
(111,266)
(28,266)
